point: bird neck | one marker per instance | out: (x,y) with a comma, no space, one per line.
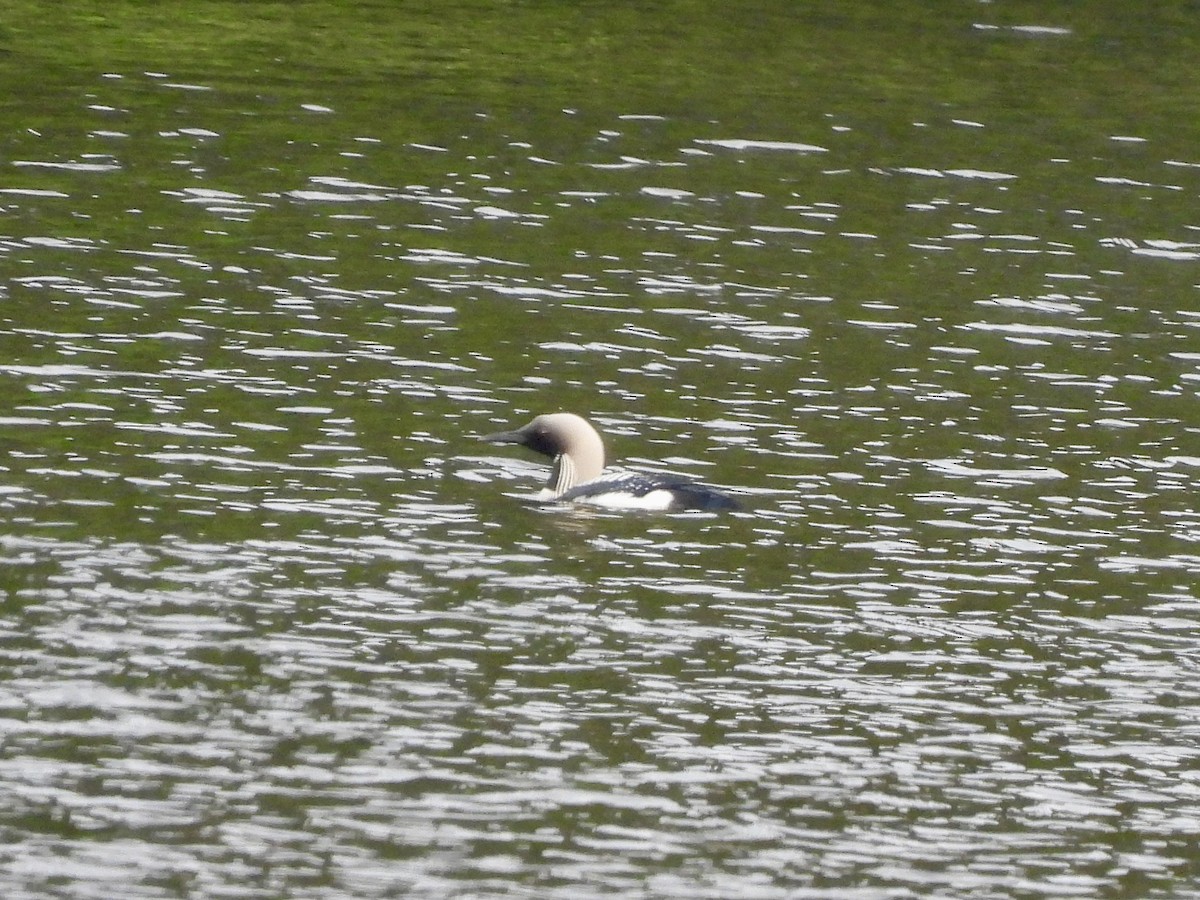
(569,471)
(562,474)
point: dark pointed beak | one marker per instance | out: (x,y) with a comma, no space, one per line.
(505,437)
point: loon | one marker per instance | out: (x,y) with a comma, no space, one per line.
(578,470)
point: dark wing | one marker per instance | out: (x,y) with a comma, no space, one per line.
(685,494)
(693,495)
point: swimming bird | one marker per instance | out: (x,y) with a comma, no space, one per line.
(577,473)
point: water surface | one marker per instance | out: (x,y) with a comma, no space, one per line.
(918,283)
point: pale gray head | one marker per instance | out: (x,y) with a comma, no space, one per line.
(568,439)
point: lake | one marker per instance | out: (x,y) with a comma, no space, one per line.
(917,282)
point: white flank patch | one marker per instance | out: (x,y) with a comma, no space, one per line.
(658,499)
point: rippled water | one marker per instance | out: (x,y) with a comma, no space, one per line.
(275,624)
